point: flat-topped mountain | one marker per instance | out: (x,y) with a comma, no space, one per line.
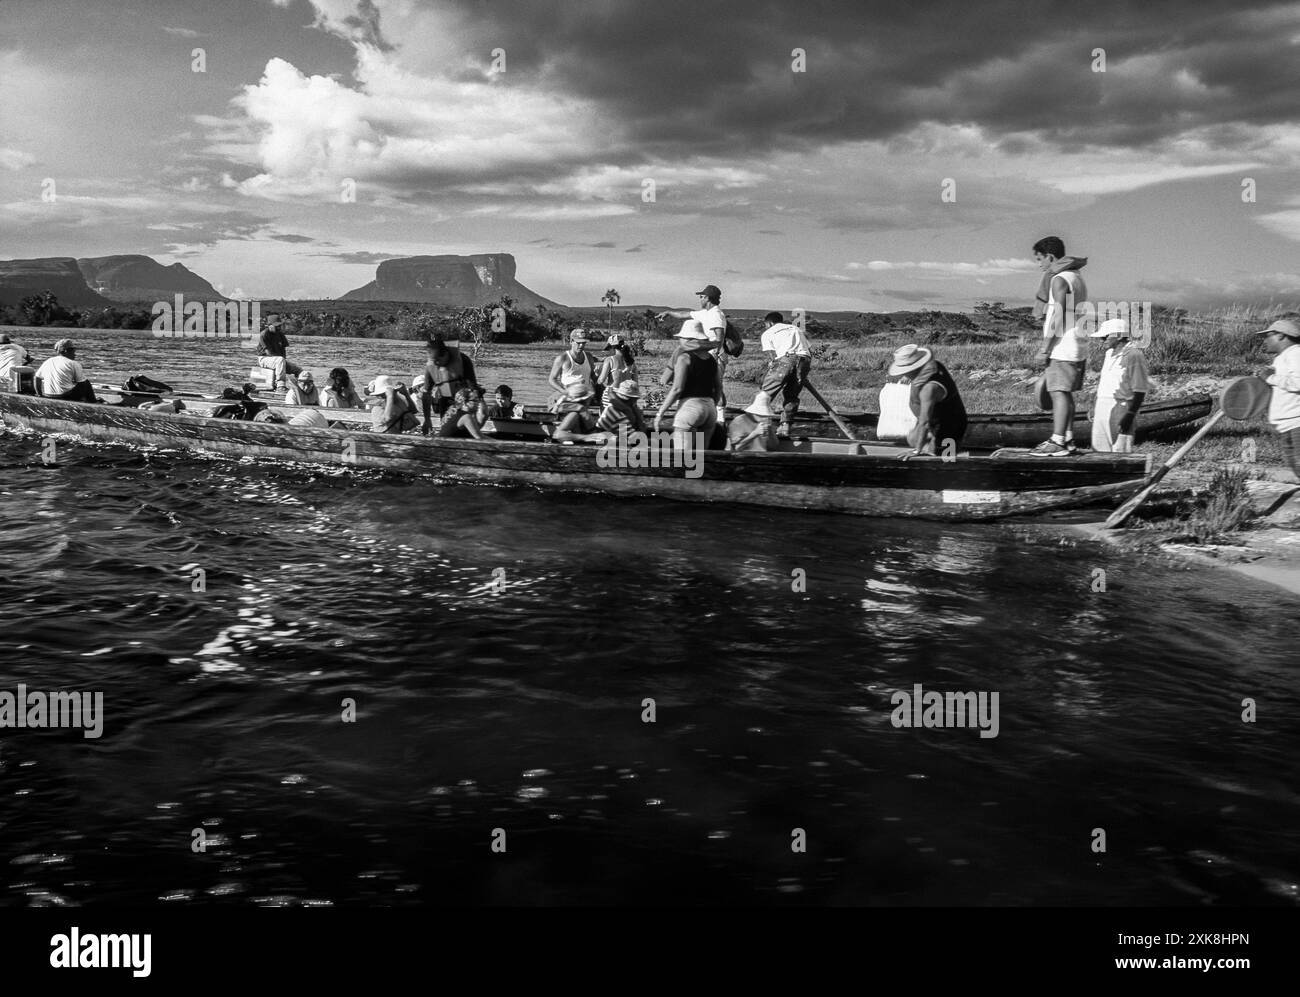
(142,278)
(456,281)
(57,274)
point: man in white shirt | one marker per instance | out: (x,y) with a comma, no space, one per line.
(713,318)
(62,377)
(1060,294)
(1124,385)
(1283,339)
(789,360)
(11,355)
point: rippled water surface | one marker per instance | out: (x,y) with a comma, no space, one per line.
(500,646)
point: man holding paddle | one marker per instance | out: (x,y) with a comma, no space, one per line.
(1282,338)
(789,360)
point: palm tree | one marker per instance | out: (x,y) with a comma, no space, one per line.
(610,299)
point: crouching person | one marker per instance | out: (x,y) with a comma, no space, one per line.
(392,409)
(932,397)
(789,360)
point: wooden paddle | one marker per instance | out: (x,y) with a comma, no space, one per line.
(835,416)
(1244,398)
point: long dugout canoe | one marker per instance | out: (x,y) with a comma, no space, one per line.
(985,431)
(834,477)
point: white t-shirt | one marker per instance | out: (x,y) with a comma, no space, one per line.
(60,375)
(1284,406)
(1068,345)
(11,356)
(1123,374)
(784,338)
(712,318)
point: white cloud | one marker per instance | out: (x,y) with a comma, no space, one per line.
(183,32)
(15,159)
(955,269)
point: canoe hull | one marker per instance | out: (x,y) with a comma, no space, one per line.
(968,488)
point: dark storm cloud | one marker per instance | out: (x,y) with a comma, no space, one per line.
(718,79)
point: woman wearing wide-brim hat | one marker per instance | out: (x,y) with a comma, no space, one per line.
(933,399)
(696,388)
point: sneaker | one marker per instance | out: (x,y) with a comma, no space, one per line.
(1049,448)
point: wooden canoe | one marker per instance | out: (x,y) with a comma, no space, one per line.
(988,431)
(820,475)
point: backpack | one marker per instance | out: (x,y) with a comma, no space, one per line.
(146,384)
(731,341)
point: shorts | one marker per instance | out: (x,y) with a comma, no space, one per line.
(1291,450)
(696,415)
(1064,375)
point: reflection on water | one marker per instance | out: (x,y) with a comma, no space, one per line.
(500,646)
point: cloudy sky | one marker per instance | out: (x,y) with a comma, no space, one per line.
(534,126)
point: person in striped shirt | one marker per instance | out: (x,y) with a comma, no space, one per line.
(621,408)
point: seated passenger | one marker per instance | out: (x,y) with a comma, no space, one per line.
(302,389)
(504,406)
(339,392)
(461,421)
(621,409)
(391,408)
(753,429)
(11,355)
(574,420)
(61,376)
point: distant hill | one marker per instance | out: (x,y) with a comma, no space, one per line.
(57,274)
(453,281)
(142,278)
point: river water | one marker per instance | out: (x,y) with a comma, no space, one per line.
(500,647)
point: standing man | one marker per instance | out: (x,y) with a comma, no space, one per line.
(1120,392)
(272,348)
(446,372)
(1282,338)
(714,320)
(789,360)
(574,369)
(1060,293)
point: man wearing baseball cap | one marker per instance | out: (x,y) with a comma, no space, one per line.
(1123,386)
(574,368)
(714,320)
(1282,338)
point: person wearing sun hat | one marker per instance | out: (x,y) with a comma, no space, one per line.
(932,398)
(753,429)
(1282,338)
(302,389)
(392,410)
(621,409)
(1124,385)
(696,388)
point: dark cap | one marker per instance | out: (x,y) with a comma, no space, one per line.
(711,292)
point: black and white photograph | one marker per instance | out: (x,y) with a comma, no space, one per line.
(477,454)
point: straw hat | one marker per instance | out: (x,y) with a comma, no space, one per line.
(909,358)
(628,389)
(693,329)
(761,405)
(1111,327)
(380,385)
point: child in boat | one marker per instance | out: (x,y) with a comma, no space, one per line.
(1060,293)
(339,392)
(503,404)
(1282,338)
(302,389)
(1123,386)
